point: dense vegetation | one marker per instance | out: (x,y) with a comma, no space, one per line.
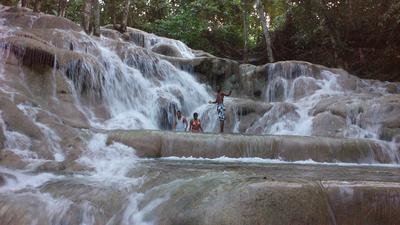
(362,36)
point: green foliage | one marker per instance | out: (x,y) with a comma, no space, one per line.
(359,35)
(184,26)
(73,11)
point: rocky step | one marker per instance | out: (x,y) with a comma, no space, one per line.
(283,194)
(155,144)
(202,192)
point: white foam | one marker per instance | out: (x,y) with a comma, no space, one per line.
(20,179)
(109,161)
(224,159)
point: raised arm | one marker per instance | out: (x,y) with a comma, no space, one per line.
(230,92)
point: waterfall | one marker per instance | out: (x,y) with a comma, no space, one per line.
(62,110)
(141,90)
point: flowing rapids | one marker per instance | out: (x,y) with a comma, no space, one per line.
(306,144)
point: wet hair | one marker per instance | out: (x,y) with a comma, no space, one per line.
(195,115)
(179,111)
(219,88)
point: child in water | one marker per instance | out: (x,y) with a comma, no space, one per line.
(195,124)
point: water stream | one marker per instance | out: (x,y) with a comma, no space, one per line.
(139,90)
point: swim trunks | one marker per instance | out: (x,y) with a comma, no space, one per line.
(221,112)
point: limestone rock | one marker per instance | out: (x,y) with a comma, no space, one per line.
(16,120)
(384,111)
(168,50)
(304,86)
(74,166)
(247,121)
(280,112)
(290,148)
(328,125)
(252,80)
(389,134)
(110,33)
(9,159)
(55,22)
(215,71)
(51,166)
(2,137)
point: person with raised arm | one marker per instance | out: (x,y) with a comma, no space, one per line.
(220,107)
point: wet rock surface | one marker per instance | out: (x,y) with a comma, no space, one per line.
(204,192)
(56,83)
(289,148)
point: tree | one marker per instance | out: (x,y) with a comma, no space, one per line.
(62,5)
(24,3)
(96,18)
(263,20)
(125,13)
(86,15)
(245,32)
(36,6)
(91,17)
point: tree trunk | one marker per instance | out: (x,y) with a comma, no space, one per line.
(96,18)
(125,13)
(36,6)
(245,33)
(62,5)
(113,16)
(264,25)
(86,12)
(24,3)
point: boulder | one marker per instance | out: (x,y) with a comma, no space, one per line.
(304,86)
(328,125)
(16,120)
(252,80)
(55,22)
(9,159)
(384,111)
(51,166)
(280,112)
(218,72)
(389,134)
(6,176)
(247,121)
(167,50)
(110,33)
(246,112)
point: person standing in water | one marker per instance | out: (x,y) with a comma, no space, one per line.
(220,107)
(180,123)
(195,124)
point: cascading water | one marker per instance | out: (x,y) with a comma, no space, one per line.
(68,173)
(138,88)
